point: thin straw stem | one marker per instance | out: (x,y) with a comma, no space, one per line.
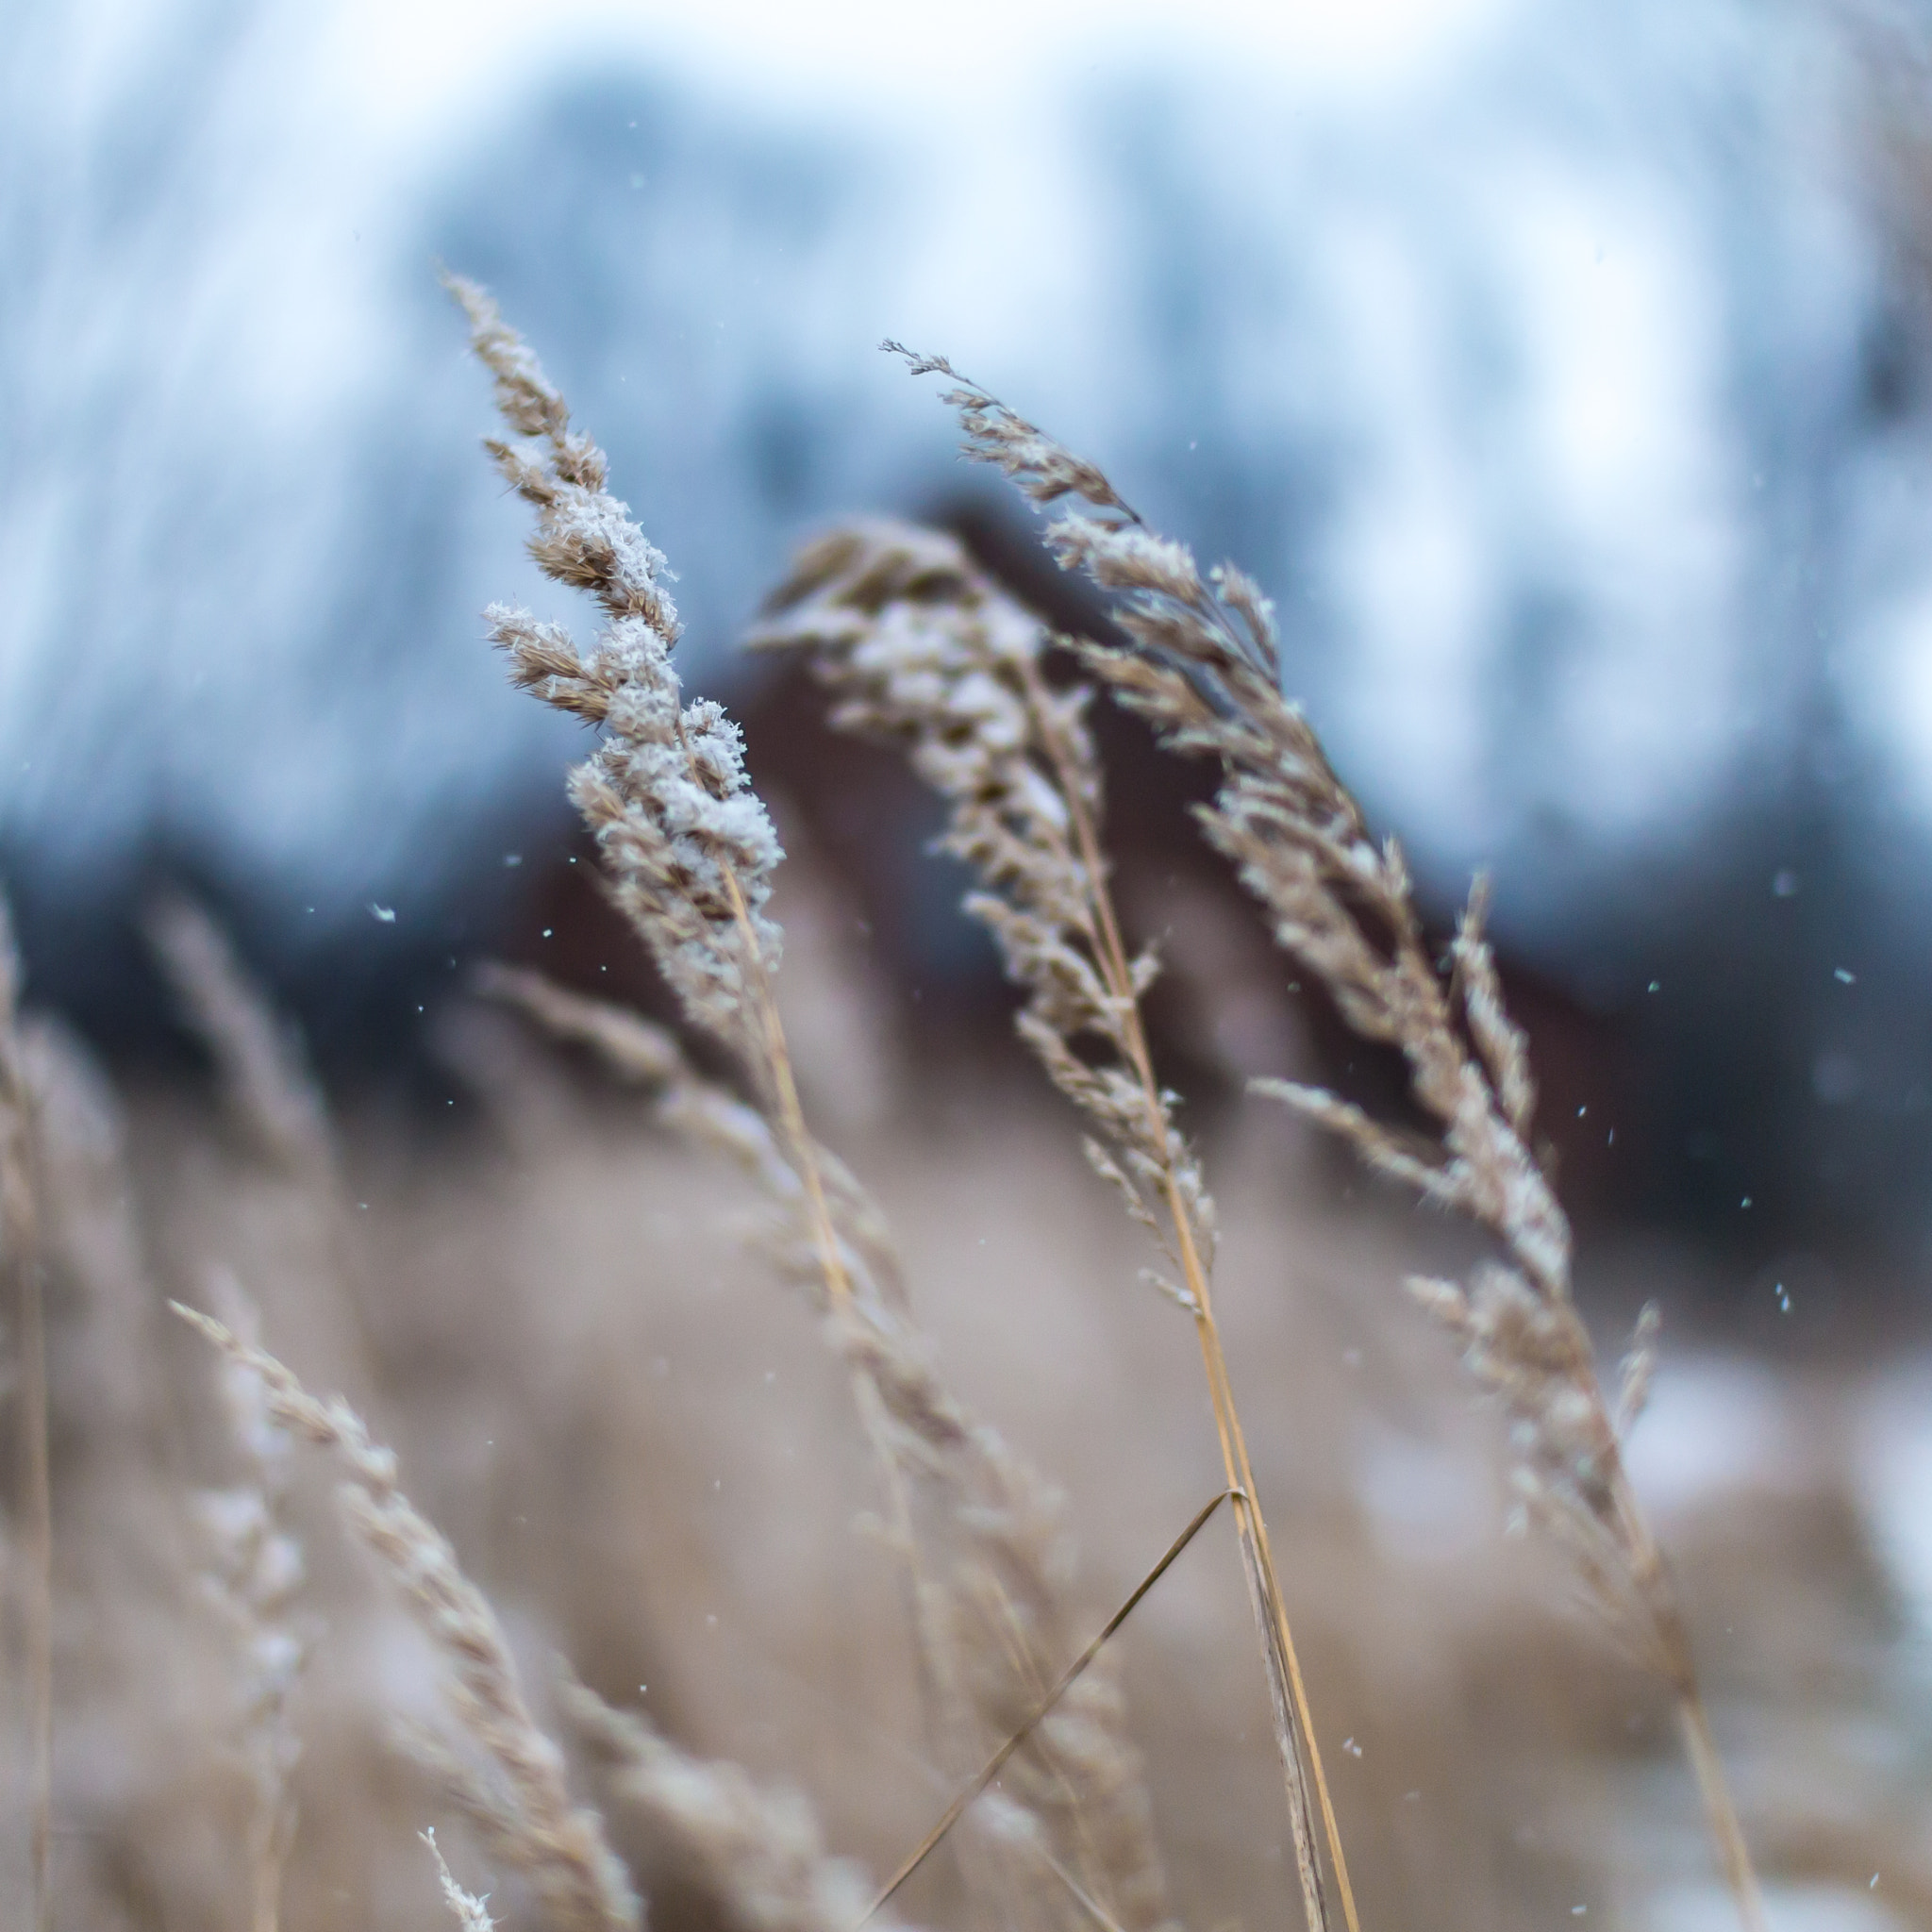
(1719,1811)
(1201,663)
(1287,1690)
(802,1153)
(994,1764)
(1652,1575)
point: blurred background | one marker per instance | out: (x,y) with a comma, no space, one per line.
(1563,370)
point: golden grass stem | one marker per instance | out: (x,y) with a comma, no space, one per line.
(690,851)
(1294,1720)
(804,1157)
(1720,1813)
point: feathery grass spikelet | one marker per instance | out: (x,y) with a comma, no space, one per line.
(516,1789)
(1202,665)
(688,845)
(918,646)
(709,1115)
(264,1078)
(470,1912)
(282,1218)
(1640,1368)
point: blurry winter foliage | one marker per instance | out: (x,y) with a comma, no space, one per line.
(1569,389)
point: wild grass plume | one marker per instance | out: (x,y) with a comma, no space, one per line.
(759,1851)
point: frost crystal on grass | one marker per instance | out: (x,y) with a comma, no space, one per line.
(688,844)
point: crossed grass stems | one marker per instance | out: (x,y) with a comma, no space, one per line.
(1287,1690)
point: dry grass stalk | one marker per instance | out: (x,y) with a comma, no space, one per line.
(757,1852)
(264,1078)
(1202,665)
(285,1208)
(470,1912)
(689,849)
(690,854)
(20,1252)
(258,1568)
(515,1788)
(918,646)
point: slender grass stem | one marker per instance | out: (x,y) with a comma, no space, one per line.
(1295,1721)
(994,1764)
(1653,1578)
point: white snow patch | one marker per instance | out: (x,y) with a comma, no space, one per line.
(1714,1425)
(1894,1452)
(1787,1908)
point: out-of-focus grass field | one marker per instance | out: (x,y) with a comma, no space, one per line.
(641,1448)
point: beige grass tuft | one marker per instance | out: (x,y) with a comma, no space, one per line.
(993,1546)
